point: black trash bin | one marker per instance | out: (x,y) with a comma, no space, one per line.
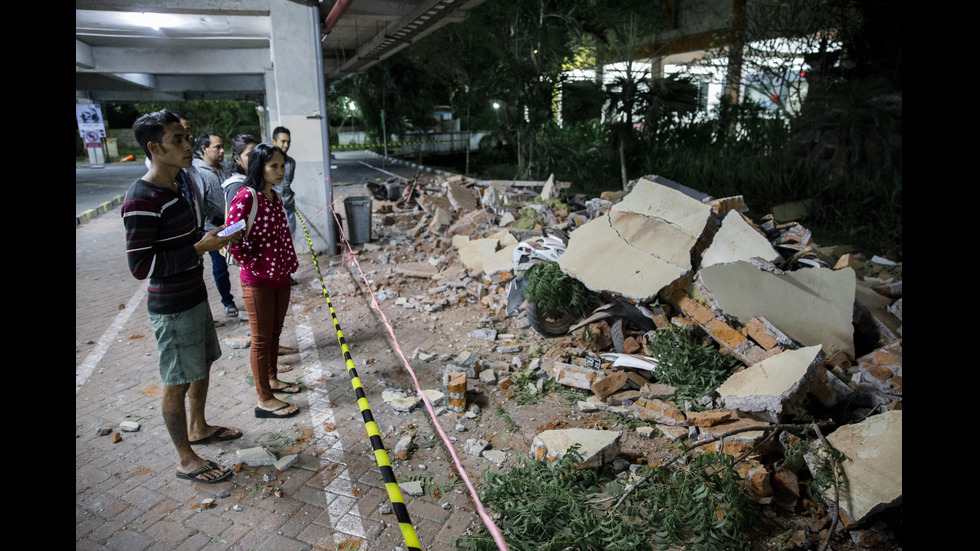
(358,210)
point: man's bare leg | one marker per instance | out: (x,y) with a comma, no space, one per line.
(175,418)
(197,397)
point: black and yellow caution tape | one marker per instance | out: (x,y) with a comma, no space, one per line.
(380,455)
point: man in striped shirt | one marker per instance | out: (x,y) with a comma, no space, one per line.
(165,242)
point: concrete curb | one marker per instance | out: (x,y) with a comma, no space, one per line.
(443,173)
(105,207)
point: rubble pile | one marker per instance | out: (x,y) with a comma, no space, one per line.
(816,331)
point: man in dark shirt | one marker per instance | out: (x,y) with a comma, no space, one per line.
(282,139)
(165,242)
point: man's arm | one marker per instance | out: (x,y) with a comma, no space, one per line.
(146,259)
(288,197)
(214,200)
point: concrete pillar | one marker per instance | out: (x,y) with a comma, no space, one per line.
(294,101)
(271,114)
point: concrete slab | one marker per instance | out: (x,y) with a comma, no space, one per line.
(472,252)
(664,203)
(812,306)
(648,236)
(737,240)
(461,197)
(874,467)
(770,385)
(597,447)
(500,261)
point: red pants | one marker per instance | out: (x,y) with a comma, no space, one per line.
(266,308)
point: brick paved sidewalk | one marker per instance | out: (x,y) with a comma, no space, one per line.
(126,494)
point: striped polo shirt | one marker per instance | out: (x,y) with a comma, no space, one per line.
(162,227)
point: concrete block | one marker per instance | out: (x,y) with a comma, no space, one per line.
(657,390)
(473,252)
(406,404)
(495,456)
(576,376)
(597,447)
(286,461)
(413,488)
(735,444)
(475,446)
(768,387)
(255,457)
(657,411)
(673,432)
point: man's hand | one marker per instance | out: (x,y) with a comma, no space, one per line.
(211,241)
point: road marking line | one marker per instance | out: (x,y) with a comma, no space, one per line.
(322,416)
(95,355)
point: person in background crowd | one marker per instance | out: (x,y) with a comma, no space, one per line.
(206,173)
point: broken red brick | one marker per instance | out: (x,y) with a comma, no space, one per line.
(845,261)
(756,330)
(659,410)
(884,356)
(631,346)
(725,334)
(879,372)
(457,383)
(609,384)
(786,483)
(693,309)
(839,360)
(708,418)
(684,323)
(660,320)
(635,380)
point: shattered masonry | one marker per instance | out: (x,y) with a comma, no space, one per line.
(808,323)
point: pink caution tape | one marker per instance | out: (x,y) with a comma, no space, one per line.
(487,521)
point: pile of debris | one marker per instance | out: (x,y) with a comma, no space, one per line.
(814,329)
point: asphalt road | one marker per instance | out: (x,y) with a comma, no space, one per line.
(350,170)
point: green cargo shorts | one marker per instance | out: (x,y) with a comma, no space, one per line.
(187,342)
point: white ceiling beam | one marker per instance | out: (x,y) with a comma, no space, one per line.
(193,61)
(83,56)
(143,80)
(211,7)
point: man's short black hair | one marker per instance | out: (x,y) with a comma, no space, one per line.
(280,130)
(203,141)
(151,127)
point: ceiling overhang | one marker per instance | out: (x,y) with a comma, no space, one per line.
(221,49)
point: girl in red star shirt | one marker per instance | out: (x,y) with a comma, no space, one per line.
(267,259)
